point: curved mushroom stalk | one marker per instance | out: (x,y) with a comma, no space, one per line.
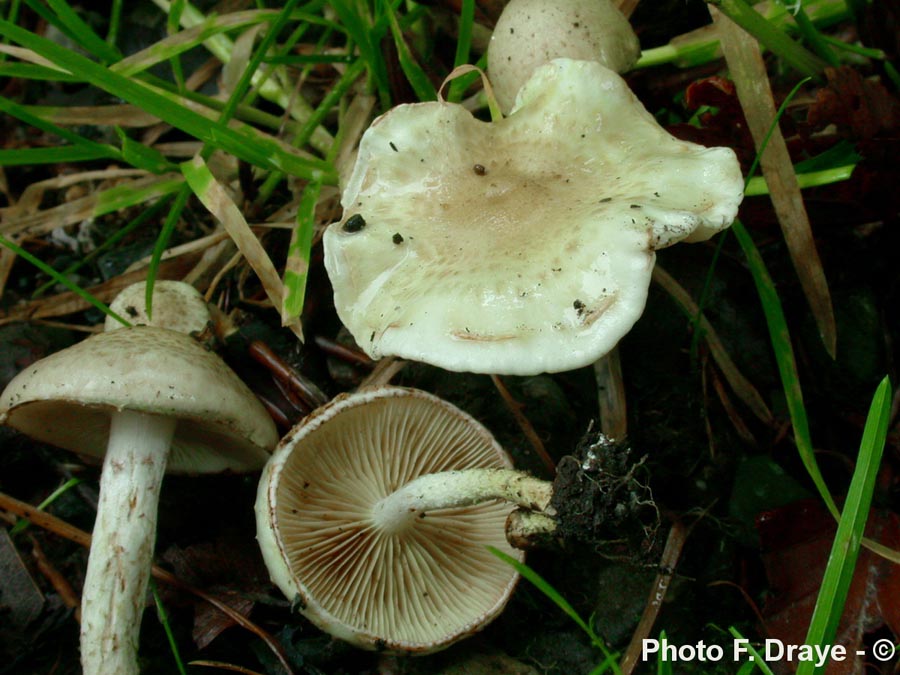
(595,499)
(453,489)
(118,571)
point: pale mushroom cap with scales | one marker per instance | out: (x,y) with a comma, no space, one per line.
(523,245)
(176,305)
(66,399)
(417,590)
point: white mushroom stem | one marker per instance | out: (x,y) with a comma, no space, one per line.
(115,585)
(465,487)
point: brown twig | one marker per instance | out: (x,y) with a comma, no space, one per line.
(224,666)
(63,529)
(524,424)
(667,563)
(60,584)
(348,354)
(309,393)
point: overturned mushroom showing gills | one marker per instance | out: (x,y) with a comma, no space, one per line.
(147,399)
(525,245)
(373,568)
(530,33)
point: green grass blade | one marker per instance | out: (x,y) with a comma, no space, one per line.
(463,47)
(845,549)
(773,38)
(22,113)
(297,265)
(541,584)
(142,156)
(813,37)
(544,588)
(72,286)
(187,39)
(331,99)
(780,337)
(22,524)
(757,186)
(416,76)
(367,38)
(66,153)
(162,241)
(115,19)
(758,660)
(62,16)
(221,46)
(258,149)
(268,40)
(172,21)
(83,33)
(122,196)
(663,667)
(33,71)
(163,617)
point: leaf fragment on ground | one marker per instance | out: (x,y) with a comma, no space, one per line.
(860,108)
(796,541)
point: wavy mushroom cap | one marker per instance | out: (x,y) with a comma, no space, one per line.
(530,33)
(176,305)
(415,589)
(66,399)
(523,245)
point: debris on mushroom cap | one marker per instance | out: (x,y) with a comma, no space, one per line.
(65,399)
(417,589)
(539,261)
(530,33)
(176,306)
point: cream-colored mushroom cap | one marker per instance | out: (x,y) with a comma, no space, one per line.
(65,399)
(523,245)
(415,588)
(176,305)
(530,33)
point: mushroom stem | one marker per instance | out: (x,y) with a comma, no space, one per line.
(527,529)
(464,487)
(118,571)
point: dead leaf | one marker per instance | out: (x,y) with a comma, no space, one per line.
(796,541)
(209,621)
(860,108)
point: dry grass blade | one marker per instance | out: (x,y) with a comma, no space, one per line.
(748,71)
(28,56)
(671,554)
(124,115)
(143,189)
(525,425)
(611,395)
(63,529)
(740,384)
(216,200)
